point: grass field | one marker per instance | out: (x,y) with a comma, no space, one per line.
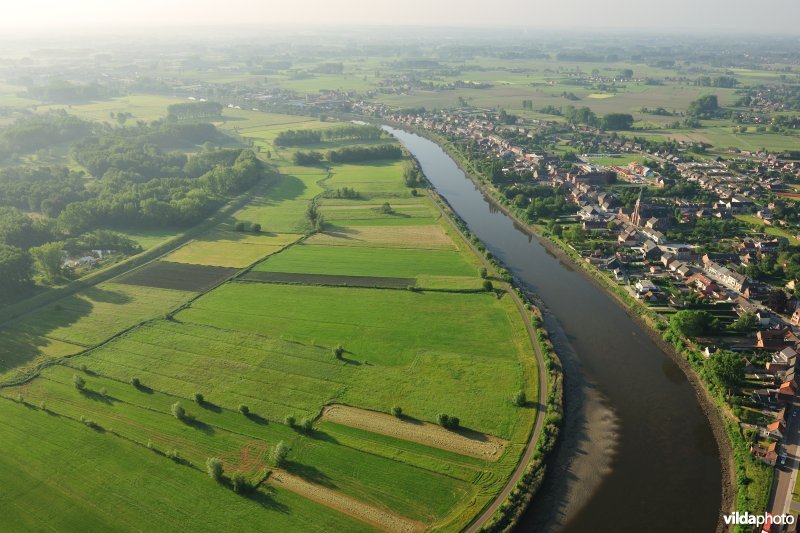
(270,345)
(81,320)
(73,477)
(283,209)
(369,261)
(374,325)
(142,106)
(230,249)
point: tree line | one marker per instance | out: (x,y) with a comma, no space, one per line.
(352,132)
(350,154)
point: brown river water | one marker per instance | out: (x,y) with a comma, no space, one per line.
(637,452)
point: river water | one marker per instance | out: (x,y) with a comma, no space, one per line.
(637,453)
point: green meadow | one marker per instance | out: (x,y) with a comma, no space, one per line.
(446,346)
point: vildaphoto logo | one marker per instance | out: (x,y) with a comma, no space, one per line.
(747,519)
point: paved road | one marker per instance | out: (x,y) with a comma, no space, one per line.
(780,501)
(530,447)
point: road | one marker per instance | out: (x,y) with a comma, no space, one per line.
(530,447)
(780,501)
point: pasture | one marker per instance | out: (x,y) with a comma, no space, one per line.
(230,249)
(370,261)
(328,320)
(72,479)
(81,320)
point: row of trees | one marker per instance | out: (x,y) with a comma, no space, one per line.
(610,122)
(350,154)
(194,111)
(352,132)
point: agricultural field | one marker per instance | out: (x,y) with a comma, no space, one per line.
(81,320)
(177,276)
(230,249)
(318,341)
(142,106)
(59,478)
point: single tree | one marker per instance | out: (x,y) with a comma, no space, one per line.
(338,352)
(255,228)
(198,398)
(178,411)
(397,411)
(241,483)
(48,258)
(289,421)
(277,456)
(244,410)
(520,399)
(214,468)
(135,382)
(727,369)
(78,381)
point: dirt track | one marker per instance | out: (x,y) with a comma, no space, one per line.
(383,520)
(478,445)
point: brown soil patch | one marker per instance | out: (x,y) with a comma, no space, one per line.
(177,276)
(473,444)
(432,236)
(359,510)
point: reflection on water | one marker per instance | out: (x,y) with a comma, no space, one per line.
(636,453)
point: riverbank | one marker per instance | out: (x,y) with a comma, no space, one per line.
(504,512)
(719,421)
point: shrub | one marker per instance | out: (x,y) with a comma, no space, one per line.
(20,398)
(338,352)
(520,399)
(104,391)
(43,406)
(214,468)
(84,369)
(487,285)
(240,226)
(79,382)
(447,421)
(397,411)
(244,409)
(175,455)
(178,411)
(277,456)
(290,420)
(255,228)
(484,272)
(198,398)
(241,483)
(135,382)
(306,424)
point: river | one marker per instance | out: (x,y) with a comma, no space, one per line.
(637,452)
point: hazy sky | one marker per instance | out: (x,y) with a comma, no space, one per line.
(663,15)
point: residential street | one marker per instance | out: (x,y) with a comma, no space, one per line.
(785,475)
